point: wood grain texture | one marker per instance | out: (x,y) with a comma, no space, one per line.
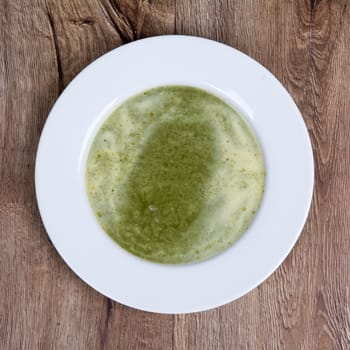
(304,304)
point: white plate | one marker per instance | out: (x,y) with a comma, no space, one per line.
(88,100)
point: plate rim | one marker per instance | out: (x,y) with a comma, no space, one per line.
(91,66)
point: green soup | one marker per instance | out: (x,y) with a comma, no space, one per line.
(175,175)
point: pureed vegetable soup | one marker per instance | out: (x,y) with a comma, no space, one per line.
(175,175)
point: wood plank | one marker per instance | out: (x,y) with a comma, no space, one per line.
(330,73)
(284,36)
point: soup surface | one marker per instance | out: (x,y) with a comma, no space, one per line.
(175,175)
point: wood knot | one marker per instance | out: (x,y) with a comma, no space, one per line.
(82,21)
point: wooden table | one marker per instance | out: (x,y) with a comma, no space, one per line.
(305,304)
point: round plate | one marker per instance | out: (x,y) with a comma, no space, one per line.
(88,100)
